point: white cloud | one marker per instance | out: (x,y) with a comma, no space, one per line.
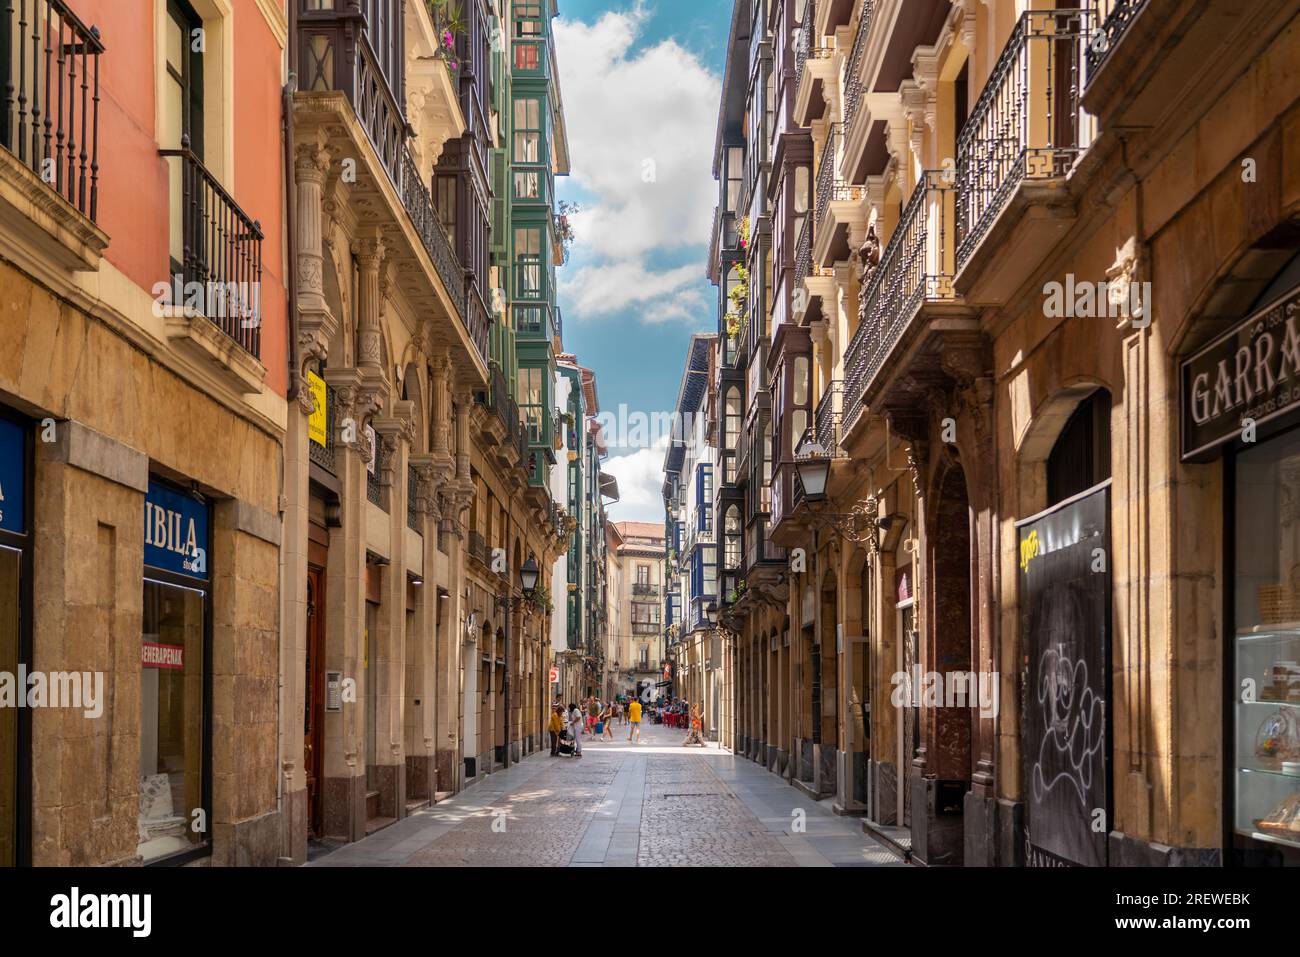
(628,113)
(640,477)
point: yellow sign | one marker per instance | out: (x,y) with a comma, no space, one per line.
(1029,549)
(317,423)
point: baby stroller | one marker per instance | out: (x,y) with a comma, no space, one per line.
(566,745)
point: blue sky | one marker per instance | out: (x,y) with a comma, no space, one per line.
(640,83)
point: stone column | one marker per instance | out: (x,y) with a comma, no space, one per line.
(422,773)
(388,644)
(316,328)
(345,614)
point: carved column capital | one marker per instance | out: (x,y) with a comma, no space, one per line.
(311,159)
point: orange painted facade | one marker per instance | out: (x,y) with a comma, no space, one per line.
(133,177)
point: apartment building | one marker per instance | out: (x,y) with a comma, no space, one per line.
(1022,274)
(144,401)
(635,556)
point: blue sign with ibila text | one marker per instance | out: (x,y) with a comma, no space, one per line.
(13,477)
(175,532)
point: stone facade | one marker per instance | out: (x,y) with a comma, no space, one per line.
(948,392)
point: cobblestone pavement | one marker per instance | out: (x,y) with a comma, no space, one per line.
(650,804)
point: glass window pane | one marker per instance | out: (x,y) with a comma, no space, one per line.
(175,45)
(171,719)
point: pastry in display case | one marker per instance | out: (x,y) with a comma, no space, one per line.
(1267,758)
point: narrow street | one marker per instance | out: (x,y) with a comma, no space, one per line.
(648,805)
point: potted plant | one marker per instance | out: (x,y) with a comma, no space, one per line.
(449,26)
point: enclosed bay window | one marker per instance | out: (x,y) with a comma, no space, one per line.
(528,130)
(528,263)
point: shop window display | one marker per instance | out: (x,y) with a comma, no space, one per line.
(1267,643)
(171,721)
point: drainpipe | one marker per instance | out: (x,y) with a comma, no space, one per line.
(286,126)
(291,199)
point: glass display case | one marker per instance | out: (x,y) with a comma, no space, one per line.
(1265,725)
(1267,743)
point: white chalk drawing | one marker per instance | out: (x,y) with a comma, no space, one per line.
(1073,726)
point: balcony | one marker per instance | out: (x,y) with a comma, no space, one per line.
(813,68)
(853,83)
(221,255)
(51,133)
(803,256)
(534,320)
(348,101)
(1147,59)
(645,590)
(912,281)
(374,478)
(829,418)
(478,549)
(1023,137)
(839,207)
(412,512)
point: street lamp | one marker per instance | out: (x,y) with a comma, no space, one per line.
(528,578)
(814,468)
(712,612)
(861,524)
(528,574)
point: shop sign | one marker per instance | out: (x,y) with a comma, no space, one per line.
(1064,586)
(904,582)
(1251,372)
(153,655)
(175,532)
(13,477)
(318,421)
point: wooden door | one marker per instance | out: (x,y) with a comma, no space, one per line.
(314,712)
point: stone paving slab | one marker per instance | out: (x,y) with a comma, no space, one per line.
(652,804)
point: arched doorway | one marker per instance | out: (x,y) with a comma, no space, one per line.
(828,725)
(1064,585)
(944,756)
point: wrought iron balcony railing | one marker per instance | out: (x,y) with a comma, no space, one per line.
(478,321)
(412,513)
(1111,18)
(424,217)
(803,253)
(478,547)
(852,81)
(828,419)
(222,251)
(1027,124)
(806,44)
(830,187)
(917,266)
(374,488)
(51,118)
(645,589)
(336,53)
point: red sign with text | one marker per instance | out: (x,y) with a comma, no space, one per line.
(162,656)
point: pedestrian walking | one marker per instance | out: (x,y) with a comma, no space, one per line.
(575,729)
(553,728)
(593,712)
(634,721)
(607,722)
(696,734)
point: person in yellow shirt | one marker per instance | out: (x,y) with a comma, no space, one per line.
(554,727)
(634,720)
